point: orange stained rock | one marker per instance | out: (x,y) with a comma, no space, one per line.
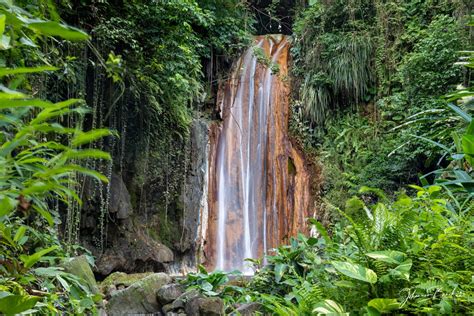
(259,184)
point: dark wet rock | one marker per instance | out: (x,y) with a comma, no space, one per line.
(120,202)
(186,297)
(140,297)
(197,305)
(205,306)
(169,293)
(195,193)
(109,262)
(211,306)
(134,253)
(168,309)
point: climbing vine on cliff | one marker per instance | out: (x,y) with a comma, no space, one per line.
(147,68)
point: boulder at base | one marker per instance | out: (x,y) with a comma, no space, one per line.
(79,266)
(169,293)
(204,306)
(139,298)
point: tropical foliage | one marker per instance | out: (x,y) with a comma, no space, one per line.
(383,98)
(40,156)
(410,255)
(371,77)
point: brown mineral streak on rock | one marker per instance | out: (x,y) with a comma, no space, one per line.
(285,176)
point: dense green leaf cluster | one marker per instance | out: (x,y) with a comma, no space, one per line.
(409,256)
(366,69)
(40,158)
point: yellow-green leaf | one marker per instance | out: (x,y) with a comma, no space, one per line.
(329,307)
(50,28)
(25,70)
(3,17)
(29,261)
(89,137)
(389,256)
(16,304)
(7,205)
(355,271)
(384,305)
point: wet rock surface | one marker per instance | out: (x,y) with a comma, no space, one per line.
(129,242)
(169,293)
(156,294)
(195,192)
(120,202)
(138,298)
(210,306)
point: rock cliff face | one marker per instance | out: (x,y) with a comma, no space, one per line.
(128,247)
(245,188)
(259,183)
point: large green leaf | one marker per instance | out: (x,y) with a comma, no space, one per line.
(7,204)
(87,154)
(388,256)
(11,94)
(15,304)
(20,233)
(470,128)
(37,187)
(56,110)
(384,305)
(5,42)
(460,112)
(403,270)
(63,171)
(88,137)
(468,148)
(3,17)
(355,271)
(280,270)
(29,261)
(25,70)
(329,307)
(50,28)
(49,271)
(18,103)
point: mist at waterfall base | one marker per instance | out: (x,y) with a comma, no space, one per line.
(256,201)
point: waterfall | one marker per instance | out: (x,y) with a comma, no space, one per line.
(251,188)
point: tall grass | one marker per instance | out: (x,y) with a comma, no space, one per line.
(341,74)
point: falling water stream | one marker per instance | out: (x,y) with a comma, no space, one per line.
(251,187)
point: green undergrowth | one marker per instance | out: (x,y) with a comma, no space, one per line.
(41,158)
(364,71)
(410,255)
